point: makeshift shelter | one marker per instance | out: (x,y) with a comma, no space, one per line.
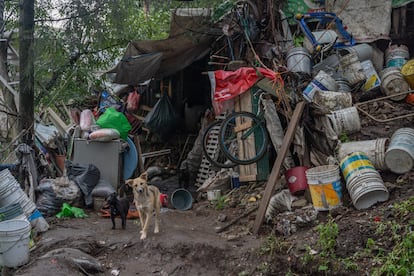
(189,40)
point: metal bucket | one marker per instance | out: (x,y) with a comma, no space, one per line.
(345,120)
(408,72)
(400,153)
(373,149)
(352,69)
(325,187)
(321,82)
(396,56)
(299,60)
(393,82)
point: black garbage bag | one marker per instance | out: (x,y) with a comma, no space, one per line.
(86,176)
(162,119)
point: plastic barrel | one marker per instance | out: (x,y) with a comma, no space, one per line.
(325,187)
(14,242)
(400,153)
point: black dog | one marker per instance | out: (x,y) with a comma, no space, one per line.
(118,207)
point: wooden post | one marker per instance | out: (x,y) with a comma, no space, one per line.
(275,174)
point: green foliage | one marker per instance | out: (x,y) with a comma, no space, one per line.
(328,233)
(220,203)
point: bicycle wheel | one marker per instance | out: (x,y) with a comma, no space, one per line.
(243,138)
(211,148)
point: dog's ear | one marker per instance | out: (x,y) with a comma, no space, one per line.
(144,176)
(129,182)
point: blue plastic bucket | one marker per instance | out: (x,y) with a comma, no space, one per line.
(182,199)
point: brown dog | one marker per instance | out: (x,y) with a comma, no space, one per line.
(147,201)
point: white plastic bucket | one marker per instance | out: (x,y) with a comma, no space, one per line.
(321,82)
(367,189)
(299,60)
(343,85)
(352,69)
(213,194)
(322,37)
(396,56)
(374,150)
(372,79)
(10,192)
(393,82)
(399,156)
(355,164)
(14,242)
(333,100)
(345,120)
(325,187)
(12,211)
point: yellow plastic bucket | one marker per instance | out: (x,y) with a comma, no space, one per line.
(354,164)
(408,72)
(325,187)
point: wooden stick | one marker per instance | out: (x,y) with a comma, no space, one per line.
(275,173)
(245,214)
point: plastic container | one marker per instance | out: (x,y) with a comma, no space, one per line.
(182,199)
(296,180)
(213,194)
(12,211)
(355,163)
(372,79)
(343,85)
(14,242)
(352,69)
(299,60)
(363,182)
(366,189)
(373,149)
(333,100)
(393,82)
(408,72)
(325,187)
(400,153)
(396,56)
(321,82)
(364,51)
(345,120)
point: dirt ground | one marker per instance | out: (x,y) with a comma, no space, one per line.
(188,243)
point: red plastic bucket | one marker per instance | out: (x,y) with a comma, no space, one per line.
(296,179)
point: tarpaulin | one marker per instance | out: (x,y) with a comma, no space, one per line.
(400,3)
(189,40)
(367,21)
(226,85)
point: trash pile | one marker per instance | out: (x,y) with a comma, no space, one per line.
(356,123)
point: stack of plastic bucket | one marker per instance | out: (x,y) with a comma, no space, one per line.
(11,193)
(363,182)
(12,211)
(325,187)
(14,242)
(399,156)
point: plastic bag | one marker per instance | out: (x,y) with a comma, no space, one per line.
(114,119)
(86,120)
(104,134)
(71,212)
(86,176)
(133,101)
(103,189)
(162,119)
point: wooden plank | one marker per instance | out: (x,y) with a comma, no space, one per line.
(140,161)
(248,178)
(275,173)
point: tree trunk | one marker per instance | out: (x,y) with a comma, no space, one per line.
(26,61)
(8,97)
